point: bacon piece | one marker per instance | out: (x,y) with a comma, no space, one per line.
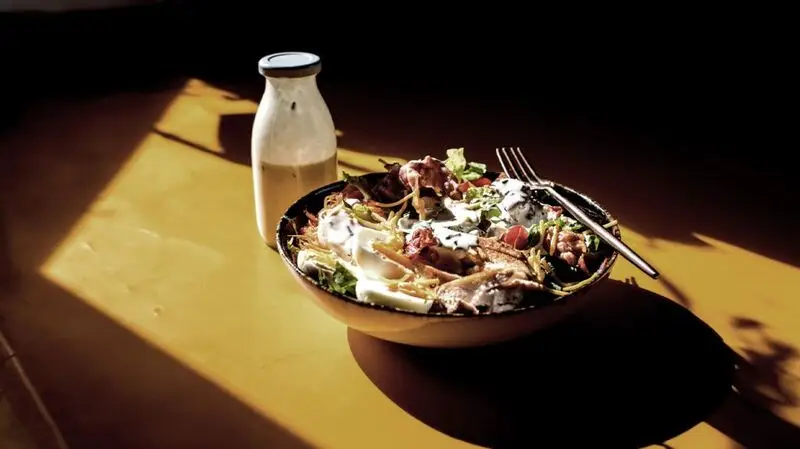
(429,173)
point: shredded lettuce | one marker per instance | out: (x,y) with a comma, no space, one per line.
(463,170)
(341,280)
(574,227)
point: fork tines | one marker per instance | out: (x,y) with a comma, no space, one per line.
(522,169)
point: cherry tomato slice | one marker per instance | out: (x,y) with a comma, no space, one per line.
(516,236)
(481,182)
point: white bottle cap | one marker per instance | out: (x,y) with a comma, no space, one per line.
(289,64)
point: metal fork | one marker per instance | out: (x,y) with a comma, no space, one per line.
(523,171)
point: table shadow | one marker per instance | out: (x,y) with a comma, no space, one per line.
(753,426)
(632,369)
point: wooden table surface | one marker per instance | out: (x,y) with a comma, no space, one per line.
(148,314)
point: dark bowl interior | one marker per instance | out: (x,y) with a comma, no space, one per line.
(314,201)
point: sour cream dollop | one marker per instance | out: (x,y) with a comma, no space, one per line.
(336,230)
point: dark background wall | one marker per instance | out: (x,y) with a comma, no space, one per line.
(721,79)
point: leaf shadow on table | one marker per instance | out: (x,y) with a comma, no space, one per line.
(763,385)
(763,375)
(631,369)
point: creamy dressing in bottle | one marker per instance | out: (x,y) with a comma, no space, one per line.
(293,140)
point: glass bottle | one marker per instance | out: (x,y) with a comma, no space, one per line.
(293,140)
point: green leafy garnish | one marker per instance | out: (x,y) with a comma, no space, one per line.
(492,212)
(463,170)
(592,242)
(485,199)
(340,281)
(363,212)
(360,212)
(481,194)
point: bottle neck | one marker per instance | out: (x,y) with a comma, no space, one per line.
(305,82)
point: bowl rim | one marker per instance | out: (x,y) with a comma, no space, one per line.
(283,250)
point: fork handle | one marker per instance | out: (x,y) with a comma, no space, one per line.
(604,234)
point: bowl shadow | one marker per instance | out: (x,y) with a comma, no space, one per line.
(631,369)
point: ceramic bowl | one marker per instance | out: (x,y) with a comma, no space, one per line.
(430,329)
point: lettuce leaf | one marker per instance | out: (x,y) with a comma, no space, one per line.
(463,170)
(340,280)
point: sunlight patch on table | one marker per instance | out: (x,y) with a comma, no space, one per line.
(701,436)
(718,277)
(169,250)
(731,282)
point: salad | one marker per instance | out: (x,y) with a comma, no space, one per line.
(437,236)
